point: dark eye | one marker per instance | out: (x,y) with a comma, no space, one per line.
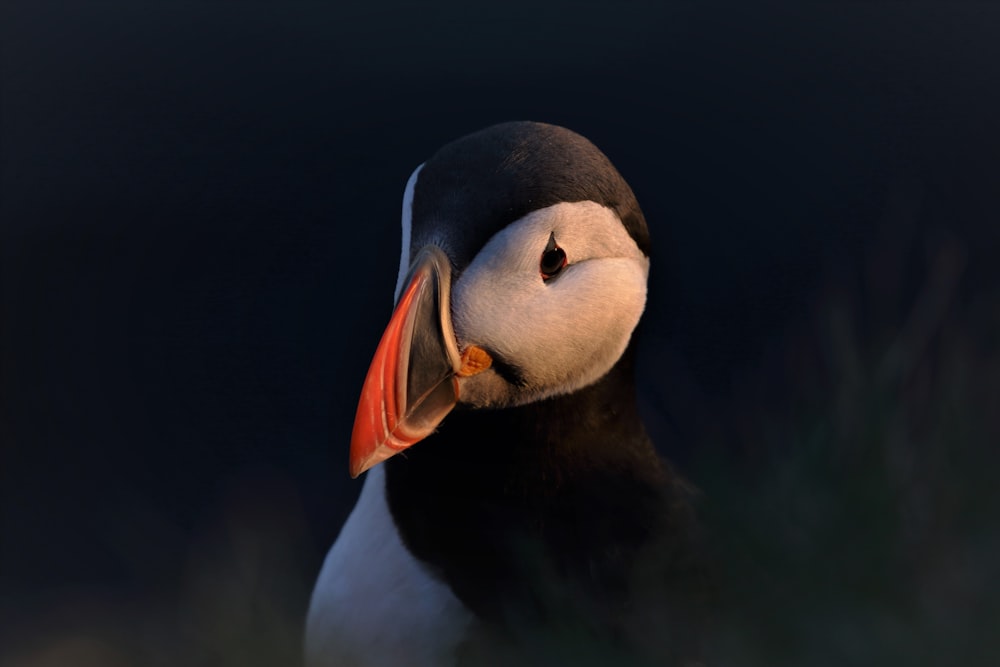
(553,259)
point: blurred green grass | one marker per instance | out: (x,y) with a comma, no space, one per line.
(237,598)
(860,525)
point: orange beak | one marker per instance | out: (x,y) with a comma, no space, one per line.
(412,382)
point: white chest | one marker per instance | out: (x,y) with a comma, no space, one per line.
(374,604)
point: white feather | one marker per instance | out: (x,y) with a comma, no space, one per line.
(374,604)
(407,218)
(562,334)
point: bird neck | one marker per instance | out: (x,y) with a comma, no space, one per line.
(529,447)
(567,479)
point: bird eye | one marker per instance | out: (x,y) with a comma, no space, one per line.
(553,259)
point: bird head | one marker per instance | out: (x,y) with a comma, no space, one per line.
(522,277)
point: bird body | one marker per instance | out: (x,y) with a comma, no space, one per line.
(530,520)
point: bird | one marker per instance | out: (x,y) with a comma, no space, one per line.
(514,509)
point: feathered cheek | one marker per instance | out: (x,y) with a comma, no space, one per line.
(561,335)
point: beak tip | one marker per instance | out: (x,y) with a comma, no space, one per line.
(356,468)
(361,459)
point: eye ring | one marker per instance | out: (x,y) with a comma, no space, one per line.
(553,259)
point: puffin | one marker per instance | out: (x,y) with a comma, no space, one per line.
(514,509)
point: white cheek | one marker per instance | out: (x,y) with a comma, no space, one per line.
(562,335)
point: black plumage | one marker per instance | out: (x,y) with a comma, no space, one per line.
(555,523)
(560,528)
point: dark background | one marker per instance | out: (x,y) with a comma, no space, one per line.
(199,210)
